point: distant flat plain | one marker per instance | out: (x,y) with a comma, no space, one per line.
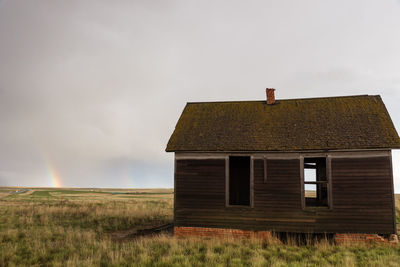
(98,227)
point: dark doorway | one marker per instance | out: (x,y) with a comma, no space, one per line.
(239,180)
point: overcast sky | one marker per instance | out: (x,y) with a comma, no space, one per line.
(90,91)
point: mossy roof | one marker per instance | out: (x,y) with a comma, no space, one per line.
(331,123)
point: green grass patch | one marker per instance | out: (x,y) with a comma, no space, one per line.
(143,197)
(6,190)
(50,193)
(141,193)
(72,192)
(41,194)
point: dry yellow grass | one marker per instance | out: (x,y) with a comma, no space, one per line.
(54,228)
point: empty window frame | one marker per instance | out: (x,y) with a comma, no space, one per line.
(316,184)
(239,180)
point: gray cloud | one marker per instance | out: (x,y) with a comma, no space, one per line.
(94,88)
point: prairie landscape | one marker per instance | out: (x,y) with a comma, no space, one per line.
(104,227)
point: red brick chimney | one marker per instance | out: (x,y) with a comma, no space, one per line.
(270,96)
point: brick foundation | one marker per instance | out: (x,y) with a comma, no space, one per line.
(220,232)
(181,231)
(357,238)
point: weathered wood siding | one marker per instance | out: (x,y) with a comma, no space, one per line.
(361,195)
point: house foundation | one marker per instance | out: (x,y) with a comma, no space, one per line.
(360,238)
(339,238)
(220,232)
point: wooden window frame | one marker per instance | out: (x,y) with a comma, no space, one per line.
(328,163)
(251,181)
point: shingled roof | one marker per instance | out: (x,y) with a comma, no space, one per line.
(331,123)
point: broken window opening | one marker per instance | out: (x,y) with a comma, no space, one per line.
(315,182)
(239,180)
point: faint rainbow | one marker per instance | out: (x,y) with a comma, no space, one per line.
(55,178)
(53,174)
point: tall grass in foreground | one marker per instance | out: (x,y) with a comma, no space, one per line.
(67,247)
(98,216)
(71,232)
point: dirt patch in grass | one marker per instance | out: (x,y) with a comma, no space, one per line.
(142,230)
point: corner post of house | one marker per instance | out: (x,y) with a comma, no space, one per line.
(175,164)
(392,189)
(329,177)
(227,181)
(251,181)
(303,201)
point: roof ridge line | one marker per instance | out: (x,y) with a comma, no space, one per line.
(287,99)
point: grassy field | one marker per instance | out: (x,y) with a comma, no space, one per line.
(71,227)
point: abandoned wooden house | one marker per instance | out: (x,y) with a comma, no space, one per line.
(316,165)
